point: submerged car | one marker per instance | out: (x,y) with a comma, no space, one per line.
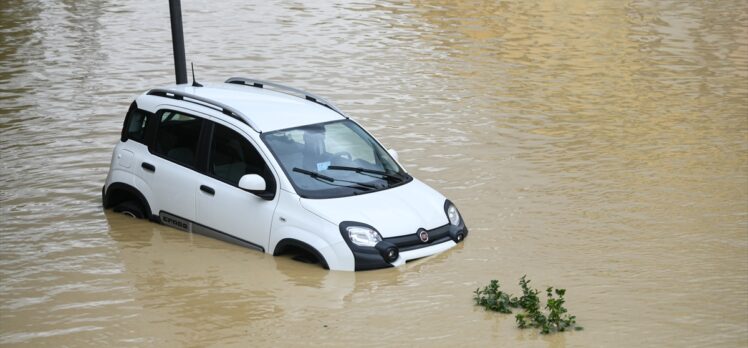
(276,169)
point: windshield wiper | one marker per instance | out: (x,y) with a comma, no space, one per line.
(361,170)
(329,180)
(313,174)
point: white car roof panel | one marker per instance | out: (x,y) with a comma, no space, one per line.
(268,109)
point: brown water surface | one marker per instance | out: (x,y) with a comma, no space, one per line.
(599,146)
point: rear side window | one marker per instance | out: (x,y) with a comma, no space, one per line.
(136,122)
(177,137)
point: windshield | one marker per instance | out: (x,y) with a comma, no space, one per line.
(334,159)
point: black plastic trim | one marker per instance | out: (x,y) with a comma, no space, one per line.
(389,252)
(209,103)
(207,189)
(125,123)
(118,186)
(436,236)
(458,233)
(268,196)
(147,166)
(283,244)
(212,233)
(413,241)
(203,146)
(366,258)
(151,128)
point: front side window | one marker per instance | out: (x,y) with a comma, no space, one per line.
(334,159)
(177,137)
(232,156)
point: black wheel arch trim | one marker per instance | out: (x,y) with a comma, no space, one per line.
(290,242)
(118,186)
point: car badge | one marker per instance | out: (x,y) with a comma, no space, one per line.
(424,236)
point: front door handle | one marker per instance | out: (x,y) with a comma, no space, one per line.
(149,167)
(208,190)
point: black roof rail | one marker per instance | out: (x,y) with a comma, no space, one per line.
(285,89)
(188,97)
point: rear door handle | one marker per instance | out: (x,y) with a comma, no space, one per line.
(149,167)
(208,190)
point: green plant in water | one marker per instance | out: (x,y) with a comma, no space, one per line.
(493,299)
(557,319)
(530,302)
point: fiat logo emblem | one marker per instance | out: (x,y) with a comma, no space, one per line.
(424,236)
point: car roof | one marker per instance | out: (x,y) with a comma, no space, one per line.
(266,109)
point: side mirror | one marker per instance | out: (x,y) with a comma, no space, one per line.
(393,153)
(252,183)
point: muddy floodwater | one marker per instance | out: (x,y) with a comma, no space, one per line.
(597,146)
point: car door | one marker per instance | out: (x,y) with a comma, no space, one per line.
(171,168)
(224,207)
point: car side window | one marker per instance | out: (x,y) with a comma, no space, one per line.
(177,137)
(136,122)
(232,156)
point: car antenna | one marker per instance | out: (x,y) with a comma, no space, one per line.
(194,82)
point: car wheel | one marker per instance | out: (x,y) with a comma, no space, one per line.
(130,208)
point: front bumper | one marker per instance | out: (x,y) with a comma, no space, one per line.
(422,252)
(408,247)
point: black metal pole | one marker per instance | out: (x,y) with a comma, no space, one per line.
(177,39)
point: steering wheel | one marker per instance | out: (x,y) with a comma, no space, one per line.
(343,155)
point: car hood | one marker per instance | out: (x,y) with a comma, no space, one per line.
(393,212)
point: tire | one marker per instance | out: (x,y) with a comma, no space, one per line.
(130,208)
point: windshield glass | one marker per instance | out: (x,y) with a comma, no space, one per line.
(334,159)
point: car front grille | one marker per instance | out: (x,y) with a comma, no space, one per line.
(413,241)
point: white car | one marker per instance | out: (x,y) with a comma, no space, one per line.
(276,169)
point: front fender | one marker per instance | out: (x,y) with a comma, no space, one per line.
(338,256)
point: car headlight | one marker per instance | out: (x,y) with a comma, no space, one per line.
(453,215)
(363,236)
